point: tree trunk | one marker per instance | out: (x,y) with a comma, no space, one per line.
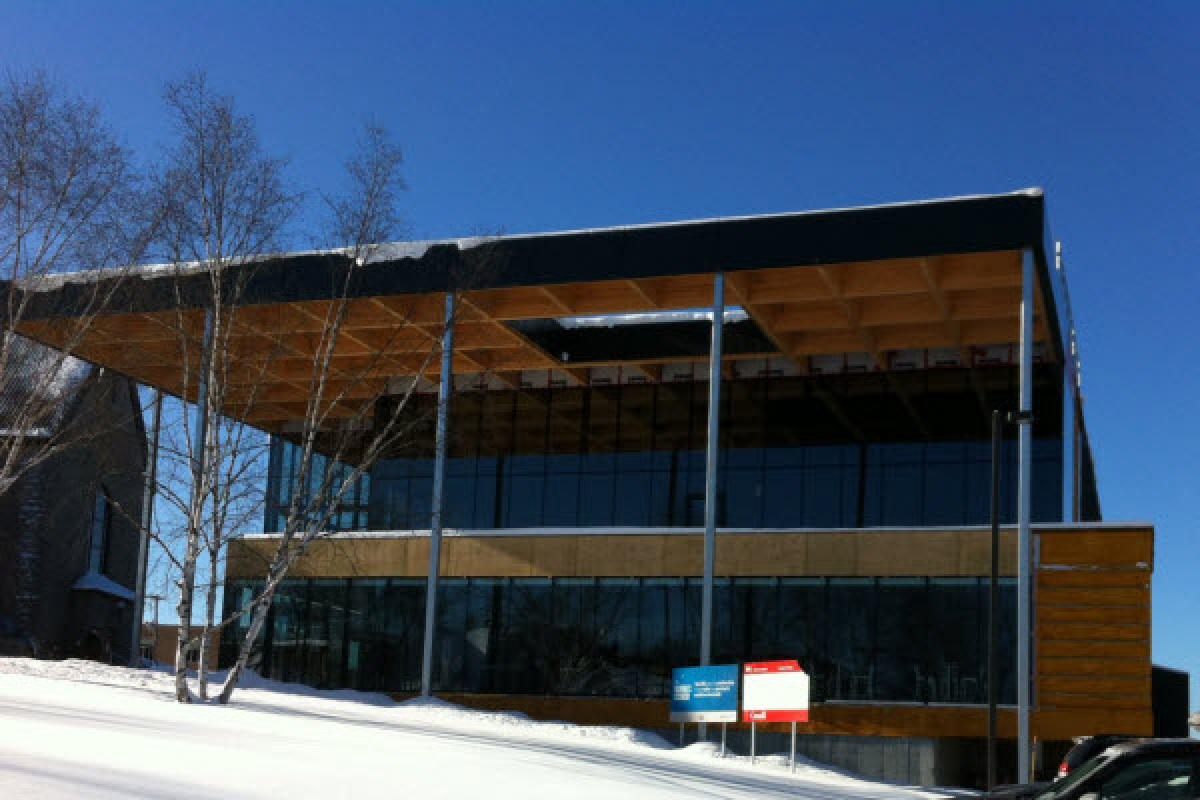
(201,669)
(206,637)
(187,586)
(257,620)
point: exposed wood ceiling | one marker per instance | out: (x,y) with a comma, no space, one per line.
(954,302)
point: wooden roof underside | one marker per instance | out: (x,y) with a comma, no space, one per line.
(950,301)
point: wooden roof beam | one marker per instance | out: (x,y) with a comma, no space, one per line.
(581,375)
(643,292)
(764,318)
(651,372)
(871,346)
(954,330)
(556,300)
(853,316)
(929,272)
(537,355)
(434,339)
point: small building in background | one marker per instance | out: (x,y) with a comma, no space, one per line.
(69,530)
(160,640)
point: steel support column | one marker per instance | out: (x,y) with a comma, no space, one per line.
(148,492)
(710,467)
(1024,534)
(445,389)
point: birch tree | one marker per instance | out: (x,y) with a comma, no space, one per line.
(69,201)
(224,205)
(334,452)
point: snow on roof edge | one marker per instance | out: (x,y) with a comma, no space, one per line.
(417,248)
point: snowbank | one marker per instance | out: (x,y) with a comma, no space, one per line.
(76,728)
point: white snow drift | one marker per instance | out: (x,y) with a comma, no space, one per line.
(78,729)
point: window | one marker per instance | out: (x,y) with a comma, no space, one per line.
(101,522)
(860,639)
(1160,778)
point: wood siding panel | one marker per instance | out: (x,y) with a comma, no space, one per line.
(1097,651)
(1108,548)
(1093,607)
(831,719)
(939,553)
(1092,666)
(1093,596)
(1136,615)
(1094,628)
(1088,578)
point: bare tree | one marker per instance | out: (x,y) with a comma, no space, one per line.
(224,205)
(69,201)
(334,451)
(234,471)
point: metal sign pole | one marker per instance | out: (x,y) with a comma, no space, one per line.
(793,760)
(681,735)
(724,725)
(753,742)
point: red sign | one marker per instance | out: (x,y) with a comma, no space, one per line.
(774,691)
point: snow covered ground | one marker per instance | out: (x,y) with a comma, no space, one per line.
(76,729)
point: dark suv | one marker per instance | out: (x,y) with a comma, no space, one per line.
(1139,769)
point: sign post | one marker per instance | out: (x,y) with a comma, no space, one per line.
(705,694)
(774,691)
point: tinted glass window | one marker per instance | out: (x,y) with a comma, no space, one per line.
(634,455)
(905,640)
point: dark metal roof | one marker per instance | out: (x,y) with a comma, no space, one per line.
(905,230)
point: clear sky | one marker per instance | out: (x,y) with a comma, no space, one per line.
(536,116)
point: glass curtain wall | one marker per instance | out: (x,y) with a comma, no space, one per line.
(797,452)
(863,640)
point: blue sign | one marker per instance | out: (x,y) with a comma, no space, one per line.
(705,694)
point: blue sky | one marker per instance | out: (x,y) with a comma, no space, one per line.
(534,116)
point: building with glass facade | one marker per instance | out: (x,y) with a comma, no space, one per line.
(857,357)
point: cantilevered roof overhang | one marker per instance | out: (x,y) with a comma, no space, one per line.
(934,274)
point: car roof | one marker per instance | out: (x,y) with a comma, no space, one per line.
(1155,746)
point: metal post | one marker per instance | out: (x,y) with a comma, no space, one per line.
(682,735)
(724,725)
(993,599)
(148,490)
(753,742)
(710,467)
(1024,534)
(445,389)
(712,453)
(793,758)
